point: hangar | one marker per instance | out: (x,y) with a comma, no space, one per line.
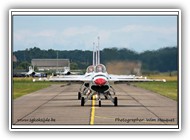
(51,64)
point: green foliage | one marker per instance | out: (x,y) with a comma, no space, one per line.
(23,65)
(162,60)
(73,66)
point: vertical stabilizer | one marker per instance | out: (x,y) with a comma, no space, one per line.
(96,53)
(31,70)
(93,62)
(98,50)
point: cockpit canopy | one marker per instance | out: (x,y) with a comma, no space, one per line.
(100,68)
(90,69)
(96,69)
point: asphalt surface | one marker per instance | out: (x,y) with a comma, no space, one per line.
(58,104)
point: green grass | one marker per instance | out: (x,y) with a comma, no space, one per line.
(168,78)
(23,86)
(168,89)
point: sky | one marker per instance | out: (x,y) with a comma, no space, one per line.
(138,33)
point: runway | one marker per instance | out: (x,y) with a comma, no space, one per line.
(58,104)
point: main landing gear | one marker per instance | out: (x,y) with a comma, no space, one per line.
(79,95)
(114,100)
(84,100)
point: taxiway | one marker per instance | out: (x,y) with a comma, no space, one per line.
(58,104)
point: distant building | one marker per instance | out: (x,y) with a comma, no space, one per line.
(51,64)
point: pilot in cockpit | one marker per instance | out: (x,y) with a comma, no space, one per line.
(90,69)
(100,68)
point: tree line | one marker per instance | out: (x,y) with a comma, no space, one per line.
(161,60)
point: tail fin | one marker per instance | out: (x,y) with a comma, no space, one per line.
(31,70)
(96,53)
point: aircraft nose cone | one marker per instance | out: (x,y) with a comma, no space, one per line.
(100,81)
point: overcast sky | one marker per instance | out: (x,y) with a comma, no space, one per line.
(138,33)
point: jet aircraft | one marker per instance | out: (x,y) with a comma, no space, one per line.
(97,82)
(32,73)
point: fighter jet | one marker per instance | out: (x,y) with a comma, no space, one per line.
(97,82)
(65,72)
(32,73)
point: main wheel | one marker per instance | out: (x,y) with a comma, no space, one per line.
(79,95)
(115,101)
(82,101)
(99,103)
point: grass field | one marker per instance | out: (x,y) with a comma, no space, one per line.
(168,78)
(168,89)
(22,86)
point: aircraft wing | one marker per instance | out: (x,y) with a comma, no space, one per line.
(71,78)
(121,79)
(113,76)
